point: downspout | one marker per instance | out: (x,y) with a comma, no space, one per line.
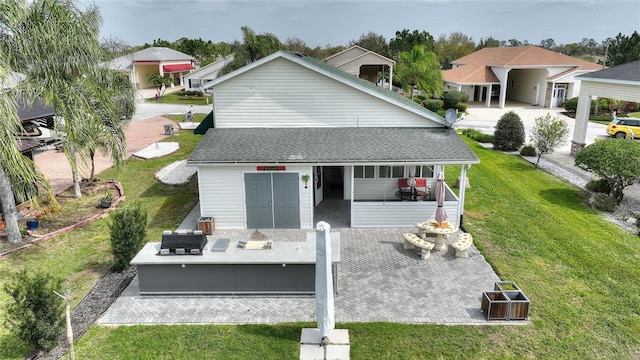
(462,185)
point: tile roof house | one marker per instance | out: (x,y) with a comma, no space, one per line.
(153,60)
(291,132)
(363,63)
(527,74)
(620,82)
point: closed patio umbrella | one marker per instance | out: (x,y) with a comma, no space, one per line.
(441,213)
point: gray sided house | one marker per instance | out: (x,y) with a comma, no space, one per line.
(291,134)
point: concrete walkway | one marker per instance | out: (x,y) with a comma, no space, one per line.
(378,280)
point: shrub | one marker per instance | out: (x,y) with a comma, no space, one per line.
(599,186)
(462,107)
(528,150)
(452,98)
(189,93)
(604,202)
(478,136)
(509,134)
(571,105)
(36,313)
(128,230)
(433,104)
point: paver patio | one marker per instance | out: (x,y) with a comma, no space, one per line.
(378,280)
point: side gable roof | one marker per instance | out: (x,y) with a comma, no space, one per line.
(358,52)
(629,72)
(151,54)
(510,57)
(214,67)
(338,75)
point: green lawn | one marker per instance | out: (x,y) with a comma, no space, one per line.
(579,270)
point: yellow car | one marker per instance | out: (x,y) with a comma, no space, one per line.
(624,128)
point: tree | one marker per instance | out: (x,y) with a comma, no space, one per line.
(548,43)
(161,83)
(372,42)
(547,134)
(419,69)
(616,161)
(624,49)
(453,46)
(489,42)
(55,44)
(128,229)
(405,41)
(296,44)
(514,42)
(35,315)
(509,134)
(252,48)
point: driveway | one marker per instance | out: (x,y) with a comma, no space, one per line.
(485,120)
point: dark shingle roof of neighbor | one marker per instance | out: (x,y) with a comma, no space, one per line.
(625,72)
(332,145)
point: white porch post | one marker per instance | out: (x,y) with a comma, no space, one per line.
(461,187)
(160,70)
(488,100)
(352,193)
(391,77)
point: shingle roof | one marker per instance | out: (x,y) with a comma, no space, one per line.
(509,57)
(625,72)
(151,54)
(332,145)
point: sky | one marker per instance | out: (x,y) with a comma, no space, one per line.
(325,22)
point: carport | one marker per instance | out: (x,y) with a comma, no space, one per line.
(619,82)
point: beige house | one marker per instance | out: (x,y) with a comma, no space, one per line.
(139,65)
(363,63)
(528,74)
(619,82)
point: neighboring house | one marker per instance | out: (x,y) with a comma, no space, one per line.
(364,64)
(620,82)
(528,74)
(350,139)
(196,79)
(138,66)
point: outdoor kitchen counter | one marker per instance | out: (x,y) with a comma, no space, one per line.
(280,253)
(286,268)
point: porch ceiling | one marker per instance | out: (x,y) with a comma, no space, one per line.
(332,146)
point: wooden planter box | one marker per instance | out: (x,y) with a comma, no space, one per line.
(495,305)
(505,286)
(518,305)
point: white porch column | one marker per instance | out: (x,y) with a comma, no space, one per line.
(488,100)
(461,188)
(160,70)
(391,77)
(582,120)
(352,193)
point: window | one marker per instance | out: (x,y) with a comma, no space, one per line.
(364,172)
(423,171)
(385,172)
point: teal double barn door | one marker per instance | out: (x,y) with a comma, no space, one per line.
(272,200)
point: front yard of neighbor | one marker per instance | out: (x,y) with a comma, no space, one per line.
(579,270)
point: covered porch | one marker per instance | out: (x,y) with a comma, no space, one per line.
(378,202)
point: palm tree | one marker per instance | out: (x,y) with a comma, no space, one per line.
(252,48)
(17,172)
(419,69)
(55,43)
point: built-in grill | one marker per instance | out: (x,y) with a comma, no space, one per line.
(182,242)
